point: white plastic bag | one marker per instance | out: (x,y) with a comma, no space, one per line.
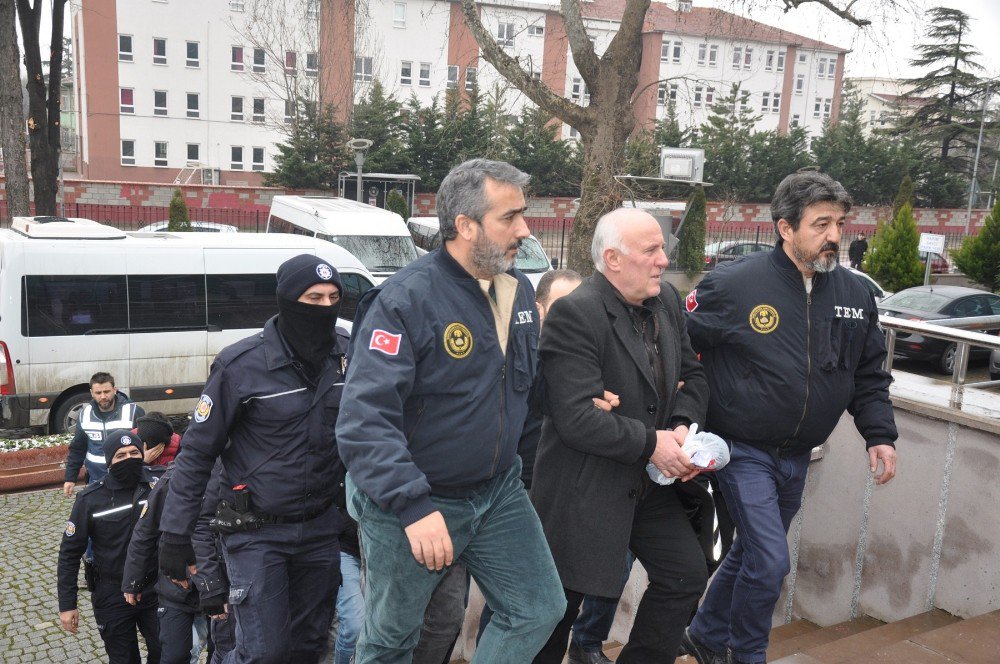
(707,451)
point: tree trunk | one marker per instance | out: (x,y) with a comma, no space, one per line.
(12,115)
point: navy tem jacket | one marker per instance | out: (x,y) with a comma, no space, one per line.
(783,365)
(432,406)
(272,427)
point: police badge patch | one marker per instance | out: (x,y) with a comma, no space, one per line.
(70,529)
(324,271)
(203,409)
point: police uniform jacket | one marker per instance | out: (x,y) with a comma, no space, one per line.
(91,429)
(141,570)
(105,513)
(273,427)
(783,365)
(590,471)
(432,405)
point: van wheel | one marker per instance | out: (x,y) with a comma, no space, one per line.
(68,412)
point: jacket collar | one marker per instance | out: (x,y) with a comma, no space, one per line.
(276,350)
(790,270)
(623,326)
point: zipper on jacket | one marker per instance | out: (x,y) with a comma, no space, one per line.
(805,404)
(499,443)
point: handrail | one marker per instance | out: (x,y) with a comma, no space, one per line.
(944,329)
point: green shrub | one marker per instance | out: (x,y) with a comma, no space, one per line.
(396,202)
(893,259)
(691,238)
(979,257)
(179,219)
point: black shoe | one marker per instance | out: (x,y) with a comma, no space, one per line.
(578,655)
(702,655)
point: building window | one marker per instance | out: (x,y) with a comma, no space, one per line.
(159,102)
(800,83)
(258,109)
(765,102)
(193,153)
(259,61)
(769,61)
(125,49)
(699,93)
(673,92)
(236,112)
(737,57)
(128,153)
(747,57)
(795,120)
(675,54)
(536,30)
(776,102)
(191,55)
(827,108)
(363,69)
(803,58)
(193,107)
(236,63)
(289,110)
(505,34)
(160,153)
(820,67)
(425,74)
(291,58)
(780,66)
(406,73)
(237,5)
(312,64)
(536,76)
(399,14)
(670,51)
(871,118)
(452,77)
(702,54)
(661,94)
(713,56)
(159,51)
(126,97)
(831,68)
(573,133)
(822,108)
(257,159)
(579,92)
(709,96)
(312,10)
(236,158)
(470,78)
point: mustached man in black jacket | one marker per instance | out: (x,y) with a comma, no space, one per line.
(789,341)
(106,512)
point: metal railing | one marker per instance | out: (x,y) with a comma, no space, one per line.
(959,331)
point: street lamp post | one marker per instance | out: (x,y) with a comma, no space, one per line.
(360,146)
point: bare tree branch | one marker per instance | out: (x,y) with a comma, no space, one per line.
(579,42)
(512,70)
(844,13)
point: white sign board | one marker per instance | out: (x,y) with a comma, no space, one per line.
(931,242)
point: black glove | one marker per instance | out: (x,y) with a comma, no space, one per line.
(214,606)
(175,558)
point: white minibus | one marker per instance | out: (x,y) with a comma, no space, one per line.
(152,309)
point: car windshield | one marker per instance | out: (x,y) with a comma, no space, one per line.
(714,247)
(379,253)
(918,300)
(531,257)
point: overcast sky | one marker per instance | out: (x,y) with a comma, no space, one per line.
(884,48)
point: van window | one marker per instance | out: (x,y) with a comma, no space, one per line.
(279,225)
(72,305)
(378,253)
(166,301)
(354,287)
(531,257)
(241,301)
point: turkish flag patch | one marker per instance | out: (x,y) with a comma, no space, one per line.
(691,301)
(386,342)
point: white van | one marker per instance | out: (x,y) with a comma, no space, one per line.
(152,309)
(531,257)
(377,237)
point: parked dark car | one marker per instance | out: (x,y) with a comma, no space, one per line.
(939,264)
(730,250)
(995,365)
(929,303)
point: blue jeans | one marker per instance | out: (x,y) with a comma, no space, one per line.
(350,608)
(597,614)
(763,493)
(496,534)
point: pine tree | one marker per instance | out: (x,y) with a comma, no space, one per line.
(314,155)
(534,148)
(691,239)
(179,222)
(979,257)
(726,138)
(893,260)
(378,118)
(904,196)
(396,202)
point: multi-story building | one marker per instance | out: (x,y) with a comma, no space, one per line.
(164,96)
(884,101)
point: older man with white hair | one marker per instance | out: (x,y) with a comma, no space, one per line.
(617,331)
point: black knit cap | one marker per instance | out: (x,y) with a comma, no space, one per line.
(298,274)
(154,430)
(117,439)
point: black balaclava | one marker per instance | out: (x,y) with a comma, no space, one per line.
(127,472)
(309,329)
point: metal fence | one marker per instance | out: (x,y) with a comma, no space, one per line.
(554,237)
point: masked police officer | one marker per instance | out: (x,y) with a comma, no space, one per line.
(106,512)
(269,411)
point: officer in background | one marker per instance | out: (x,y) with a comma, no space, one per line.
(269,412)
(108,410)
(106,512)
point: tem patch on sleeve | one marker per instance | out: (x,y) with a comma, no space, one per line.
(70,529)
(691,301)
(203,409)
(385,342)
